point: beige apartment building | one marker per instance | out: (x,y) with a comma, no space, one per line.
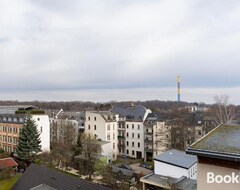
(11,122)
(9,132)
(218,155)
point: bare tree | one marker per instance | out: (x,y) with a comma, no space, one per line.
(223,111)
(90,149)
(63,131)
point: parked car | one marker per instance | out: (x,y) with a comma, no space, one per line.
(146,165)
(125,169)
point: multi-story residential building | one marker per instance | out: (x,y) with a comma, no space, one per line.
(218,155)
(104,126)
(64,130)
(131,129)
(157,136)
(11,122)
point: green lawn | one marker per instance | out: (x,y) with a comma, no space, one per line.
(8,183)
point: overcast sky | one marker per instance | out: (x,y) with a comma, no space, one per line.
(102,50)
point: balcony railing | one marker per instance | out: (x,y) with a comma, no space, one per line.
(148,132)
(148,140)
(121,137)
(148,149)
(121,145)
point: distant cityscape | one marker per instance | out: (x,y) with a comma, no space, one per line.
(145,145)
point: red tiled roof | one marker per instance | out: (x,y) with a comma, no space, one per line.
(7,163)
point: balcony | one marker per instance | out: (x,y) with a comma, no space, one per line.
(148,132)
(121,145)
(149,149)
(121,137)
(121,128)
(148,140)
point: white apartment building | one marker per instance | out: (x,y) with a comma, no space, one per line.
(104,126)
(134,139)
(172,169)
(131,130)
(43,126)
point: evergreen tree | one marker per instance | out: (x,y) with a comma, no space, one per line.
(29,140)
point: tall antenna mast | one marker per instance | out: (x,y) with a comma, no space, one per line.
(179,88)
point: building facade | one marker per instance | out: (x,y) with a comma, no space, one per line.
(131,130)
(11,124)
(103,125)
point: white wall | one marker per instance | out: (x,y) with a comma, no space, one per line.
(102,130)
(136,140)
(107,151)
(43,126)
(164,169)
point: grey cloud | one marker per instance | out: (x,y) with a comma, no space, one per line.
(118,44)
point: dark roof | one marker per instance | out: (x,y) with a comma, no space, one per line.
(164,182)
(12,109)
(36,175)
(7,163)
(222,142)
(176,158)
(43,187)
(134,112)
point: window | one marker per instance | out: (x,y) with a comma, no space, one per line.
(108,127)
(113,127)
(9,129)
(113,145)
(113,136)
(89,127)
(132,144)
(133,152)
(199,132)
(127,134)
(138,145)
(138,135)
(132,126)
(15,130)
(9,139)
(132,135)
(95,119)
(88,118)
(14,140)
(138,127)
(9,149)
(4,138)
(108,137)
(127,143)
(95,136)
(95,127)
(38,119)
(41,129)
(127,151)
(127,126)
